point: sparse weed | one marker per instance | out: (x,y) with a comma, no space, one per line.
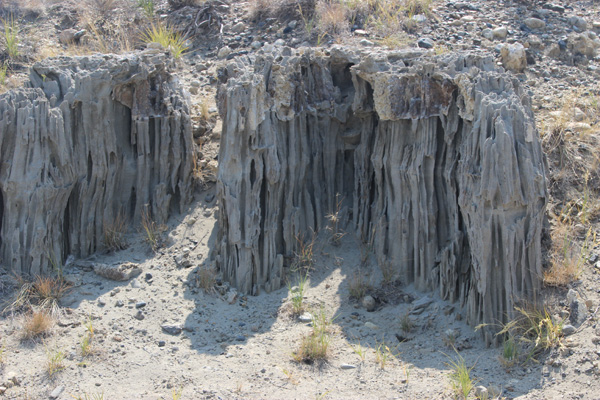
(89,326)
(304,256)
(358,285)
(536,329)
(510,352)
(54,361)
(153,231)
(461,382)
(309,21)
(11,38)
(290,376)
(105,36)
(2,352)
(207,277)
(386,17)
(332,18)
(567,257)
(359,350)
(395,41)
(387,271)
(114,233)
(315,346)
(204,113)
(321,396)
(167,37)
(449,338)
(366,248)
(297,293)
(147,6)
(334,222)
(86,345)
(3,74)
(384,353)
(37,324)
(93,396)
(406,324)
(177,393)
(415,7)
(406,367)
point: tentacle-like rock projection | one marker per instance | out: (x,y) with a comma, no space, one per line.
(89,139)
(437,158)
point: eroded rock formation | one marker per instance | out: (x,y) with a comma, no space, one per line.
(91,137)
(437,159)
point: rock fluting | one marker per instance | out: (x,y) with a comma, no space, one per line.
(89,139)
(437,159)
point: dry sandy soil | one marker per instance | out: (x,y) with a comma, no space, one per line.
(161,336)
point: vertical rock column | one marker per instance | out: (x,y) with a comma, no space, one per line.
(91,138)
(437,159)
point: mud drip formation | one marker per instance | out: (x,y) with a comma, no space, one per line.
(91,138)
(437,160)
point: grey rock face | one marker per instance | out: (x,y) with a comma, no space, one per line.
(91,137)
(437,158)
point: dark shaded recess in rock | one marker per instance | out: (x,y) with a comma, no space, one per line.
(437,160)
(89,138)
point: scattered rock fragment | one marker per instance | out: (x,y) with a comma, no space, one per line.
(535,24)
(481,392)
(425,43)
(57,392)
(500,33)
(172,329)
(568,330)
(513,57)
(418,306)
(122,272)
(369,303)
(305,318)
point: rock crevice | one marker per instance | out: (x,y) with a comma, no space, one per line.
(437,160)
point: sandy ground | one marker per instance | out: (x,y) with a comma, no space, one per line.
(244,350)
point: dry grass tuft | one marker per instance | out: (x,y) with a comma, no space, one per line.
(43,292)
(206,279)
(535,329)
(167,37)
(37,324)
(568,255)
(54,361)
(114,233)
(315,346)
(333,18)
(304,256)
(358,285)
(153,231)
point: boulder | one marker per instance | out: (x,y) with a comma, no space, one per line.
(436,158)
(514,57)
